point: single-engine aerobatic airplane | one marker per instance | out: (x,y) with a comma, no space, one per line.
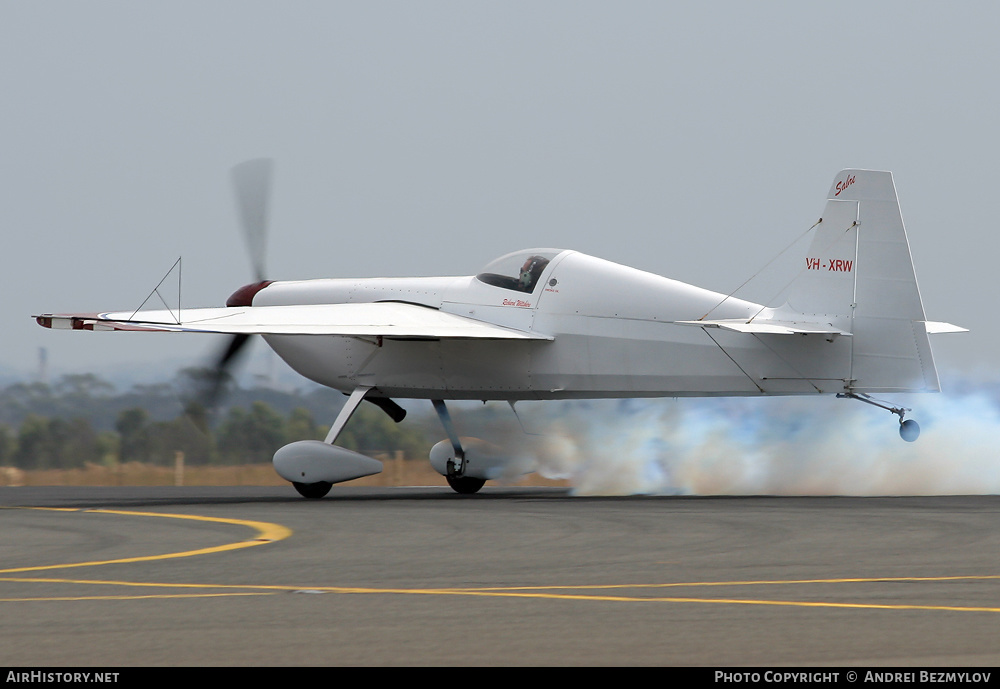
(549,324)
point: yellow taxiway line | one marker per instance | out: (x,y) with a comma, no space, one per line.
(267,532)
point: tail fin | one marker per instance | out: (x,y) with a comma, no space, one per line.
(859,275)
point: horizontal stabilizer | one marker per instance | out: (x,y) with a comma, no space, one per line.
(769,327)
(935,327)
(385,319)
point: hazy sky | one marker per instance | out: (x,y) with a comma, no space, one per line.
(694,140)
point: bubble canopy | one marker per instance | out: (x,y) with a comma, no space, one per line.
(518,271)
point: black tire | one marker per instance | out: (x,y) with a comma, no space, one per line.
(466,485)
(313,491)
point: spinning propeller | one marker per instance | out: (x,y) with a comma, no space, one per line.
(252,183)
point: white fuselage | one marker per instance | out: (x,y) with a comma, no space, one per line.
(613,329)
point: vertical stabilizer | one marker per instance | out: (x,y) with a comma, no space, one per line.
(858,274)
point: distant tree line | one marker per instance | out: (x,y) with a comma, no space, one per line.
(83,419)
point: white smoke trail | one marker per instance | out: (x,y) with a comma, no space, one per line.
(781,446)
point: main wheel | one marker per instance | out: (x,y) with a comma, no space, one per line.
(466,485)
(313,491)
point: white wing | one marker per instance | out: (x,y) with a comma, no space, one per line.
(386,319)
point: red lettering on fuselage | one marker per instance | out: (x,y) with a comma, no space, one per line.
(517,302)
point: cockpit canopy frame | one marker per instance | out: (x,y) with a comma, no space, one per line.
(518,271)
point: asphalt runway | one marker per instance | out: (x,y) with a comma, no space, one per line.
(113,577)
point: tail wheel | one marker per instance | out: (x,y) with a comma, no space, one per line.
(909,430)
(313,491)
(466,485)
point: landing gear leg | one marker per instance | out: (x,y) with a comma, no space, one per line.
(345,413)
(457,479)
(909,430)
(456,466)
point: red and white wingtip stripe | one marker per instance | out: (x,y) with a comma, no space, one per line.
(89,321)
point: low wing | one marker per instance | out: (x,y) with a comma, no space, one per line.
(386,319)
